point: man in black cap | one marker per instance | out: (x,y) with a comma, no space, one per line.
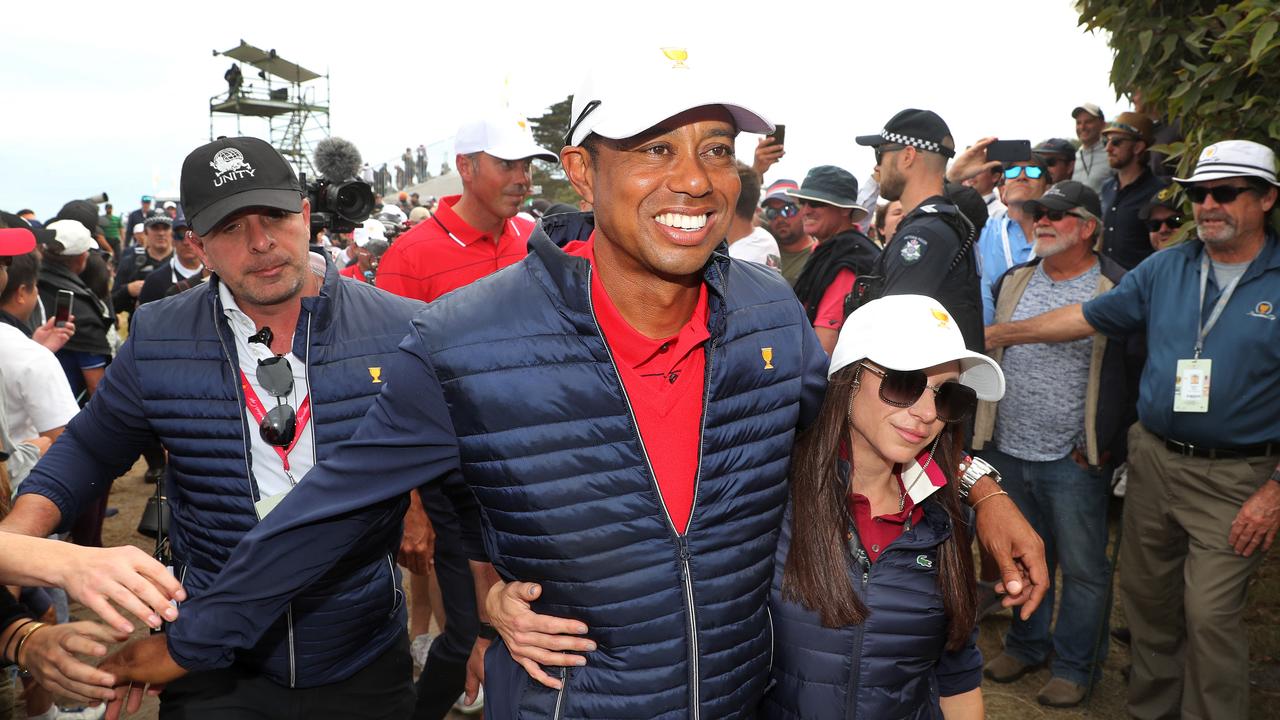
(1061,423)
(1059,156)
(248,381)
(932,252)
(829,208)
(1163,217)
(138,263)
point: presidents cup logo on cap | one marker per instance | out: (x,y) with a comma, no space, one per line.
(228,165)
(678,56)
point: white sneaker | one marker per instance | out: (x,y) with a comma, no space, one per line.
(475,707)
(419,648)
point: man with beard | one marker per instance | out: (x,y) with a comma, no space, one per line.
(1204,489)
(932,252)
(1061,421)
(1124,237)
(829,207)
(781,216)
(1004,241)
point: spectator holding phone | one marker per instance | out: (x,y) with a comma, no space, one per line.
(85,356)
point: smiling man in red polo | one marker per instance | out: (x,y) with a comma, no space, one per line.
(475,233)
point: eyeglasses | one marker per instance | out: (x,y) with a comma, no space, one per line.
(1033,172)
(786,211)
(1117,141)
(805,202)
(1173,222)
(1054,162)
(882,150)
(1222,194)
(590,108)
(275,375)
(1053,215)
(902,388)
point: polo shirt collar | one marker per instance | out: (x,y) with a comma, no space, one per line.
(458,229)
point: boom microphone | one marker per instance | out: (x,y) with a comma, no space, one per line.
(337,159)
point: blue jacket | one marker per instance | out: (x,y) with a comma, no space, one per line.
(895,664)
(177,379)
(550,448)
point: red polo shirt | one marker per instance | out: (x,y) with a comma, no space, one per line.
(664,379)
(443,253)
(876,532)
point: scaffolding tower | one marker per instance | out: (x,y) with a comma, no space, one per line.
(296,118)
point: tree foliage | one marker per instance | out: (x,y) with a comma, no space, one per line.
(549,130)
(1213,67)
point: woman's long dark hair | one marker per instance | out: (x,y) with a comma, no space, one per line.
(820,519)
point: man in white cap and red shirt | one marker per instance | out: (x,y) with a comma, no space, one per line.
(468,237)
(1203,500)
(625,408)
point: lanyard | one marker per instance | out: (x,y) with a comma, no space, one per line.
(258,412)
(1217,308)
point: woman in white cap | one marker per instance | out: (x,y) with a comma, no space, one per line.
(873,598)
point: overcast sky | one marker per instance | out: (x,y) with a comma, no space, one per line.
(115,96)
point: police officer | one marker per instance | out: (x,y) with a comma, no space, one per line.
(136,265)
(1203,501)
(931,254)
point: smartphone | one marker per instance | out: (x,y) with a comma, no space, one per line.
(62,310)
(779,134)
(1009,151)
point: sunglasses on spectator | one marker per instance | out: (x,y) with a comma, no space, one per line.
(902,388)
(882,150)
(1222,194)
(1033,172)
(275,375)
(1053,215)
(1117,141)
(804,202)
(786,211)
(1173,222)
(1054,162)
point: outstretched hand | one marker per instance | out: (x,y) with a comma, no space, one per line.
(124,575)
(49,654)
(1017,549)
(140,668)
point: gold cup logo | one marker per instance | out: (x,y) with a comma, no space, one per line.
(677,56)
(767,354)
(376,374)
(941,317)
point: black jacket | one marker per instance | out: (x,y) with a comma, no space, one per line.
(93,315)
(846,250)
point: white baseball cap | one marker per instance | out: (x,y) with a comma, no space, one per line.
(371,229)
(913,332)
(503,136)
(1234,158)
(626,98)
(138,227)
(73,236)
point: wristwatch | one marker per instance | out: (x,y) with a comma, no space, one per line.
(488,632)
(972,469)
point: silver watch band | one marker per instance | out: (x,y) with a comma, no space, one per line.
(972,471)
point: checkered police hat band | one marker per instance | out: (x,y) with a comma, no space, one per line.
(927,145)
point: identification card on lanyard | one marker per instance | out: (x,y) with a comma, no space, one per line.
(1193,380)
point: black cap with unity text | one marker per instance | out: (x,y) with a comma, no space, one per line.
(921,129)
(231,174)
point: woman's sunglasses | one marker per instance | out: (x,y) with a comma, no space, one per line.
(786,211)
(903,388)
(1033,172)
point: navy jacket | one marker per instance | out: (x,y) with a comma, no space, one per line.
(550,448)
(177,378)
(895,664)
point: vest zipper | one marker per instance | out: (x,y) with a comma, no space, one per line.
(681,538)
(855,675)
(235,372)
(564,684)
(306,374)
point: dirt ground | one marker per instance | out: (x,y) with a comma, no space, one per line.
(1014,700)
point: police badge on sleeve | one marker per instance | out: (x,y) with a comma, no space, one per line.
(912,250)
